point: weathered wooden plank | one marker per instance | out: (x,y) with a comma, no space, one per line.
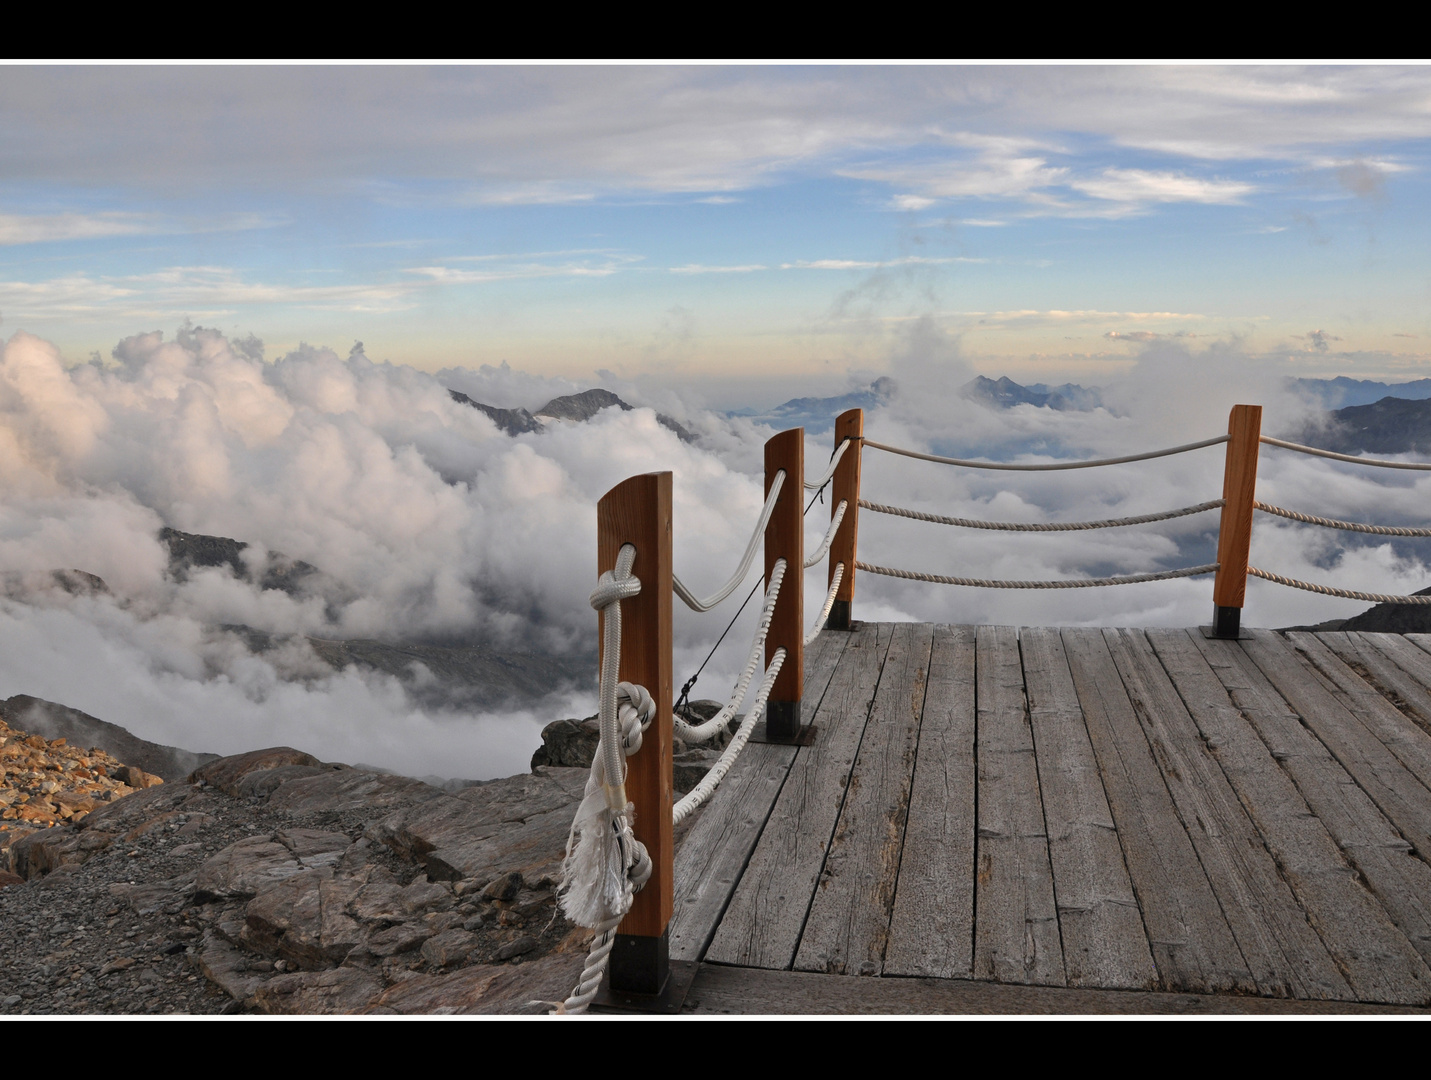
(1192,945)
(1367,928)
(712,856)
(1400,737)
(1101,927)
(1016,922)
(762,925)
(848,926)
(931,929)
(1392,661)
(733,991)
(1195,731)
(1399,795)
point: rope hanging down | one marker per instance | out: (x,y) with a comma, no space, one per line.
(1327,590)
(1019,526)
(691,600)
(700,733)
(819,552)
(1299,448)
(605,865)
(829,603)
(1056,466)
(1083,583)
(816,485)
(1333,523)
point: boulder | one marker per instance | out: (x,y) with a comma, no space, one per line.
(226,773)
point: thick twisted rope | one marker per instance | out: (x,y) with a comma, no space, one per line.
(1056,466)
(829,603)
(1347,594)
(605,865)
(839,516)
(700,733)
(815,485)
(1299,448)
(696,604)
(1057,526)
(1078,583)
(1333,523)
(702,791)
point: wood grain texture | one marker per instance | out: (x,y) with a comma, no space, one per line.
(1192,944)
(1336,714)
(932,924)
(1239,489)
(1101,927)
(1194,729)
(1361,928)
(1376,659)
(785,539)
(1016,918)
(846,485)
(744,991)
(713,855)
(763,923)
(848,925)
(638,511)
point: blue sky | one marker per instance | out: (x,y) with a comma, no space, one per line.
(750,233)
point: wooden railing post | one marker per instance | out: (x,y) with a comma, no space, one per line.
(638,511)
(1234,535)
(846,485)
(785,539)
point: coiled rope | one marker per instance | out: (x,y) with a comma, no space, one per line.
(1019,526)
(1075,583)
(1056,466)
(829,603)
(696,604)
(605,865)
(1378,463)
(1333,523)
(1327,590)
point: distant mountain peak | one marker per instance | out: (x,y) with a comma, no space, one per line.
(570,408)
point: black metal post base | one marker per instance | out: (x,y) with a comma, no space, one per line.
(1226,622)
(782,720)
(839,616)
(640,965)
(642,978)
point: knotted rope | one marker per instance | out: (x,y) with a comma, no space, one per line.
(605,865)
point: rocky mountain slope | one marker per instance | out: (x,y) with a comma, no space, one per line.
(571,408)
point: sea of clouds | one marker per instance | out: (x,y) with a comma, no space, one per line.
(433,526)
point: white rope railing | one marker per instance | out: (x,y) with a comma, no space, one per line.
(1378,463)
(702,791)
(1061,526)
(1328,590)
(704,732)
(605,865)
(696,604)
(815,485)
(1055,466)
(1073,583)
(819,552)
(829,603)
(1333,523)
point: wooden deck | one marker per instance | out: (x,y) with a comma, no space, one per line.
(1101,810)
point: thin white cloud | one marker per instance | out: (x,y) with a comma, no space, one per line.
(872,264)
(697,268)
(1147,186)
(73,225)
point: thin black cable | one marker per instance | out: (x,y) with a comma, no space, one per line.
(682,702)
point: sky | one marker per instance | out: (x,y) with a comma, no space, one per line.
(746,233)
(233,301)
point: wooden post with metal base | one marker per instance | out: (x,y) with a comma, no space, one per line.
(785,539)
(638,511)
(1234,535)
(845,485)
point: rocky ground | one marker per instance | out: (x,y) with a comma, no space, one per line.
(273,882)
